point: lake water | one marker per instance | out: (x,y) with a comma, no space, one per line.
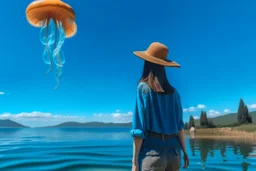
(106,149)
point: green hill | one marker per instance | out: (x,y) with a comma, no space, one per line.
(7,123)
(226,119)
(90,124)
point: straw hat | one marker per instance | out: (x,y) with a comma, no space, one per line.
(156,53)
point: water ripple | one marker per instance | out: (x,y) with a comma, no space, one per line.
(37,150)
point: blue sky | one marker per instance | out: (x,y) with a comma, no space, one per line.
(214,41)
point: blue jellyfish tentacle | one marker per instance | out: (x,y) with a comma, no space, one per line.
(61,35)
(58,57)
(58,54)
(55,58)
(43,23)
(47,32)
(47,35)
(51,31)
(47,57)
(58,73)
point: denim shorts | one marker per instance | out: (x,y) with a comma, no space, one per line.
(160,155)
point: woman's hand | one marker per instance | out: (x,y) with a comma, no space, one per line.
(183,146)
(135,166)
(186,160)
(136,148)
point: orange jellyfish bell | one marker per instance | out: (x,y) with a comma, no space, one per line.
(44,10)
(57,22)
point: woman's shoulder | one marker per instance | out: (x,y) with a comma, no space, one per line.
(176,93)
(143,88)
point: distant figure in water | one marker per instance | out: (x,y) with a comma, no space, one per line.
(157,126)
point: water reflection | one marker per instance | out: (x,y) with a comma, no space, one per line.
(215,154)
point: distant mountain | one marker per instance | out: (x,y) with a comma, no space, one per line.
(7,123)
(226,119)
(220,120)
(90,124)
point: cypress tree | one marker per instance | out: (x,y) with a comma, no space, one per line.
(205,119)
(245,115)
(240,111)
(201,118)
(191,122)
(186,125)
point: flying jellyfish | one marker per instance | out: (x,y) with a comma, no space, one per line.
(57,22)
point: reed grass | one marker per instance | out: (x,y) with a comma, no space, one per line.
(246,133)
(246,127)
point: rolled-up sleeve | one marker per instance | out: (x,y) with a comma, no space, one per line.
(179,111)
(138,119)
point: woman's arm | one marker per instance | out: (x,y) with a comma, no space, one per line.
(182,140)
(138,131)
(136,149)
(181,131)
(180,122)
(183,146)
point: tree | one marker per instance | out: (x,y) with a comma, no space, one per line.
(203,119)
(211,124)
(191,122)
(250,118)
(186,125)
(245,115)
(240,111)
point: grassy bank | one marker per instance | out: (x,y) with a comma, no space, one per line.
(242,133)
(247,128)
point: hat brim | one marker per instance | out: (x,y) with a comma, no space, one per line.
(168,63)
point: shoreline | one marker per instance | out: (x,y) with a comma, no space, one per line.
(222,134)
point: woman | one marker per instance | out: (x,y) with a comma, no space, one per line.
(157,121)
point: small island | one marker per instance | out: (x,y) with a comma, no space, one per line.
(7,123)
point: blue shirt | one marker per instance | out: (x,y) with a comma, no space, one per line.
(154,112)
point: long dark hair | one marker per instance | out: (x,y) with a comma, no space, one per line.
(155,76)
